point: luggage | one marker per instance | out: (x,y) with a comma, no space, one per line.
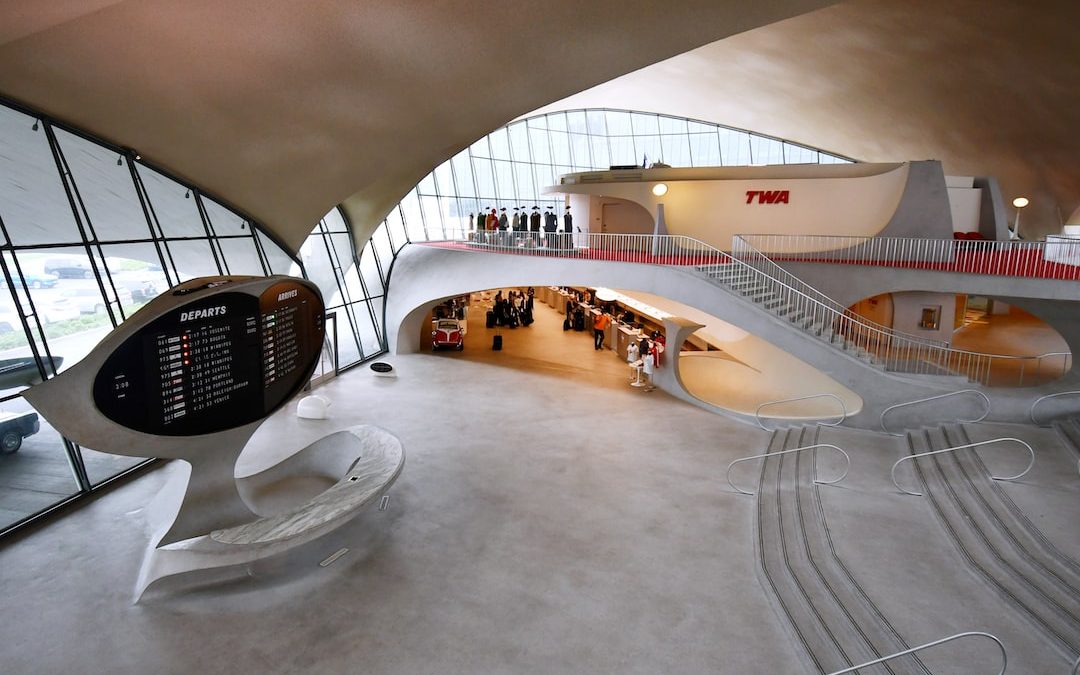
(496,343)
(490,319)
(566,324)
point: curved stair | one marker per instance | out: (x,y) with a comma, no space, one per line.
(1068,430)
(833,618)
(994,537)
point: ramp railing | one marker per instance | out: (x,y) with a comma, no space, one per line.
(1001,648)
(1031,463)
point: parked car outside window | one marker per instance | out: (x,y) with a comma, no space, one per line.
(33,279)
(89,300)
(69,267)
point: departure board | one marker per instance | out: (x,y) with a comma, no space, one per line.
(220,361)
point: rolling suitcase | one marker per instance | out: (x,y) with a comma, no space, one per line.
(566,324)
(490,319)
(496,343)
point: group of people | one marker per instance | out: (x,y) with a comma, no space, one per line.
(513,309)
(494,227)
(648,351)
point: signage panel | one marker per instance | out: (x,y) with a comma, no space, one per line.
(220,361)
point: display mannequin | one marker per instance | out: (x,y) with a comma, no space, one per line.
(647,365)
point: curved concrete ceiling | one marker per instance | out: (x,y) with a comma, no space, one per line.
(988,88)
(284,109)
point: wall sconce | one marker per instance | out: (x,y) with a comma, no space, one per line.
(660,189)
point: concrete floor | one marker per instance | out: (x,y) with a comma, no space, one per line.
(549,519)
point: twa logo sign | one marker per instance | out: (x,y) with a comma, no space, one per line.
(767,196)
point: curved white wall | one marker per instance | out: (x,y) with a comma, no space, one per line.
(714,204)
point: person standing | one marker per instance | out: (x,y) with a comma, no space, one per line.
(600,324)
(491,223)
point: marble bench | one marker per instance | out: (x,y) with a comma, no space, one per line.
(374,458)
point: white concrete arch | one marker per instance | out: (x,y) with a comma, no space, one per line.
(423,275)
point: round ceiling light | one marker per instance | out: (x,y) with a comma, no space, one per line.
(1020,202)
(659,189)
(606,294)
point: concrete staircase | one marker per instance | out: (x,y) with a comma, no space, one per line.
(1068,430)
(1000,544)
(830,614)
(733,278)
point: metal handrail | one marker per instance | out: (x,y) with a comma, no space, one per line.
(1004,656)
(741,250)
(784,452)
(843,415)
(1031,411)
(815,312)
(934,398)
(1031,463)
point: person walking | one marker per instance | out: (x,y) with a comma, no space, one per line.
(600,324)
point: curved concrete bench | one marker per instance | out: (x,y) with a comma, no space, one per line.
(378,464)
(377,458)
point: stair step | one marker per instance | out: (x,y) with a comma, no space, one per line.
(835,620)
(1003,547)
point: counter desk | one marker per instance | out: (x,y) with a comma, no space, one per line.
(625,336)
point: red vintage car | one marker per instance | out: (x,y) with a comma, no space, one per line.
(447,333)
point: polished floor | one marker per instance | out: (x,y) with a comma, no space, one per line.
(549,519)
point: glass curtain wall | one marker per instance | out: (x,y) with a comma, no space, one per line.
(511,166)
(89,234)
(353,293)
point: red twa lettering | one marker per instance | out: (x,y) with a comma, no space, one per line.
(768,196)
